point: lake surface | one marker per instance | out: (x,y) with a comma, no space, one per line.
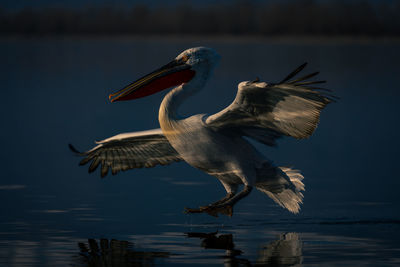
(53,213)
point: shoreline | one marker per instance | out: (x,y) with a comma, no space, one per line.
(279,39)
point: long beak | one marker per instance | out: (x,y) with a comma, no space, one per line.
(172,74)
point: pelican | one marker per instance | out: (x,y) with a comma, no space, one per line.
(216,144)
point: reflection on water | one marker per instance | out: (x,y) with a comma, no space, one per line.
(113,252)
(223,242)
(286,251)
(234,246)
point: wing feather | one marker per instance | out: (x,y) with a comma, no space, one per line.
(305,77)
(294,73)
(128,151)
(266,112)
(104,169)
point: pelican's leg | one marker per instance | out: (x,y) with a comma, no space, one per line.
(232,201)
(227,206)
(248,177)
(209,207)
(231,190)
(222,200)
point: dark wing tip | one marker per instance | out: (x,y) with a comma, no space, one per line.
(104,170)
(295,72)
(73,149)
(308,83)
(332,98)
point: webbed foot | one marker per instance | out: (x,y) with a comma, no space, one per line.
(213,210)
(190,210)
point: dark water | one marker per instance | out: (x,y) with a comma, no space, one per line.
(53,213)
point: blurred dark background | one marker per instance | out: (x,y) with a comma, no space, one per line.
(242,17)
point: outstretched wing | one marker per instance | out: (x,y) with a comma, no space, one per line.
(265,111)
(128,151)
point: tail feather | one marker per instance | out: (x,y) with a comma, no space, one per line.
(287,195)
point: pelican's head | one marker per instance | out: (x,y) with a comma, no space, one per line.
(199,58)
(194,62)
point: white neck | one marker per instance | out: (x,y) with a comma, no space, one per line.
(168,113)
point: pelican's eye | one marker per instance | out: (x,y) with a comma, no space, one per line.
(185,58)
